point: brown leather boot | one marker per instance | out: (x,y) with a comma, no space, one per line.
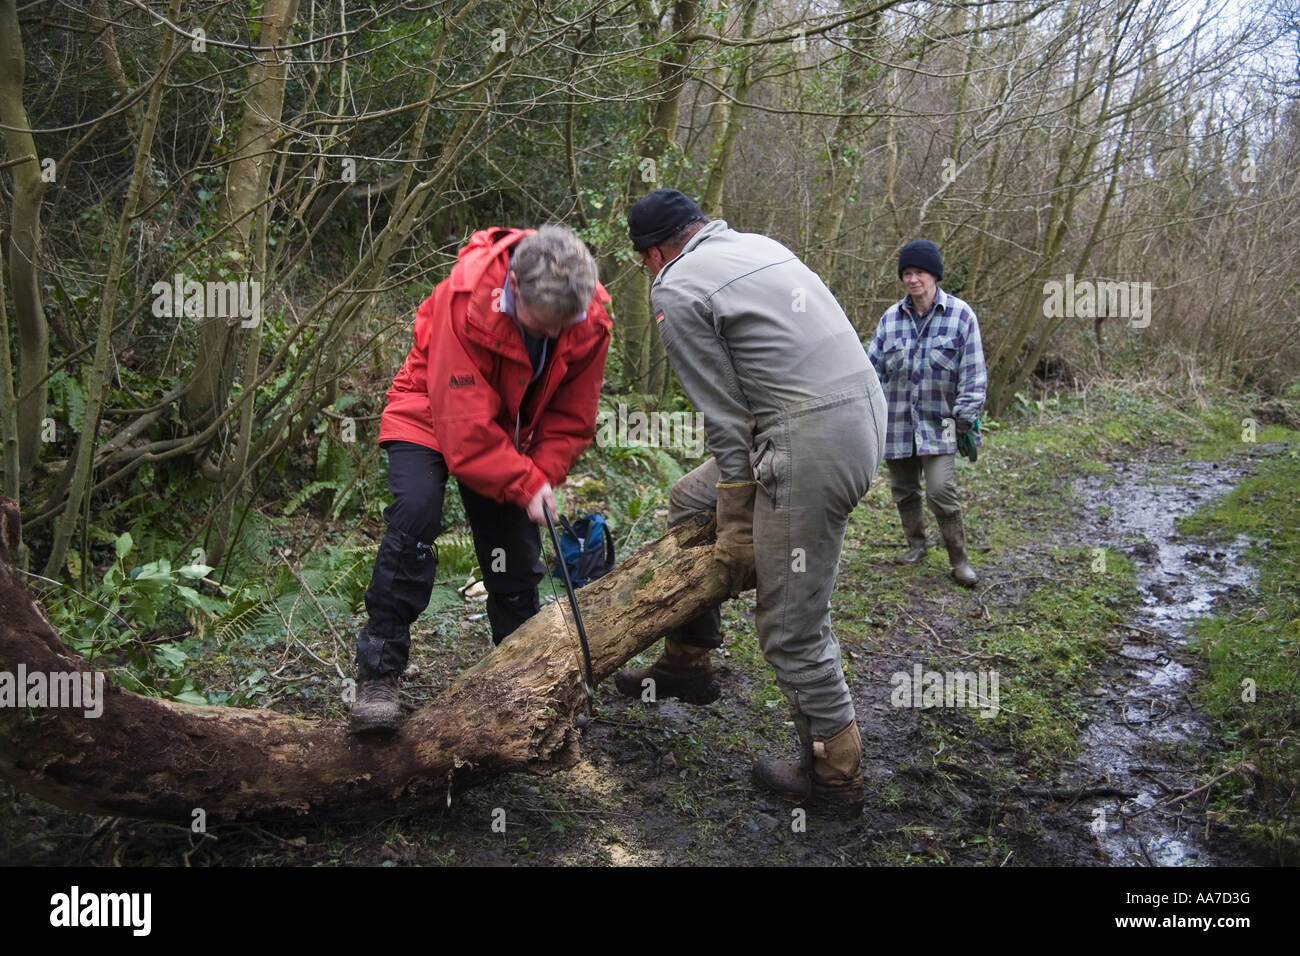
(954,536)
(376,709)
(828,775)
(913,516)
(682,671)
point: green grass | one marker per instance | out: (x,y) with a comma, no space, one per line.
(1229,430)
(1046,637)
(1253,651)
(1019,497)
(1046,649)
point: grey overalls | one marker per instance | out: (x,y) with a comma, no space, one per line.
(789,400)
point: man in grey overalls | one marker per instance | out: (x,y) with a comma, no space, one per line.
(795,419)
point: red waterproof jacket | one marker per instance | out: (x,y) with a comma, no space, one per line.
(464,390)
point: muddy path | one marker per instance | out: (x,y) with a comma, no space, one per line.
(1143,724)
(668,784)
(940,790)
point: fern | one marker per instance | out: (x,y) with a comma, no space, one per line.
(456,555)
(323,450)
(243,617)
(343,497)
(316,486)
(67,395)
(351,581)
(337,578)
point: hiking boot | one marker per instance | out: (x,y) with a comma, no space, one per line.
(828,775)
(682,671)
(954,537)
(376,709)
(914,530)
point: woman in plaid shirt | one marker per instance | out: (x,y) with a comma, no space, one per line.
(930,360)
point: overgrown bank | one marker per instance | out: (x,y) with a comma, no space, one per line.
(1253,651)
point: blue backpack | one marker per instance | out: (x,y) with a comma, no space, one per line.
(587,546)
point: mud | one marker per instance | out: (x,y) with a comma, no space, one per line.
(669,784)
(1143,722)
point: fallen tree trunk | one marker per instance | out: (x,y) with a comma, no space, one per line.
(513,711)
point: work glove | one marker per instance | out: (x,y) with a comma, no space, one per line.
(734,550)
(966,444)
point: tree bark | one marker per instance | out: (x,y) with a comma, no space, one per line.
(8,411)
(515,710)
(24,246)
(247,180)
(645,364)
(727,126)
(841,167)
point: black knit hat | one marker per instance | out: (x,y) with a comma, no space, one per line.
(921,254)
(658,215)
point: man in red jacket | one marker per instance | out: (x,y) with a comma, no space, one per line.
(499,390)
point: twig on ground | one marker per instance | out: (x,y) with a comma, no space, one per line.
(1145,630)
(600,810)
(1074,796)
(320,610)
(998,584)
(924,624)
(1178,798)
(1205,786)
(984,657)
(288,630)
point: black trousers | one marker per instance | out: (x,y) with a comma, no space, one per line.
(508,546)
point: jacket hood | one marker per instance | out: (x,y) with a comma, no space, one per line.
(483,249)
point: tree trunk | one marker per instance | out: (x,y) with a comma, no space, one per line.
(8,413)
(645,364)
(24,246)
(728,124)
(841,167)
(247,182)
(514,710)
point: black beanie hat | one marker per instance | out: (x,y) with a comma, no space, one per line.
(658,215)
(921,254)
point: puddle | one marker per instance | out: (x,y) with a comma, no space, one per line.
(1141,719)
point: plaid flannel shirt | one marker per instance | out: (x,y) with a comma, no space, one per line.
(932,368)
